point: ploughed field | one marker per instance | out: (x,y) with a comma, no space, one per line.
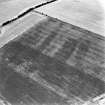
(53,63)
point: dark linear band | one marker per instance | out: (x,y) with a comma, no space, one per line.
(26,12)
